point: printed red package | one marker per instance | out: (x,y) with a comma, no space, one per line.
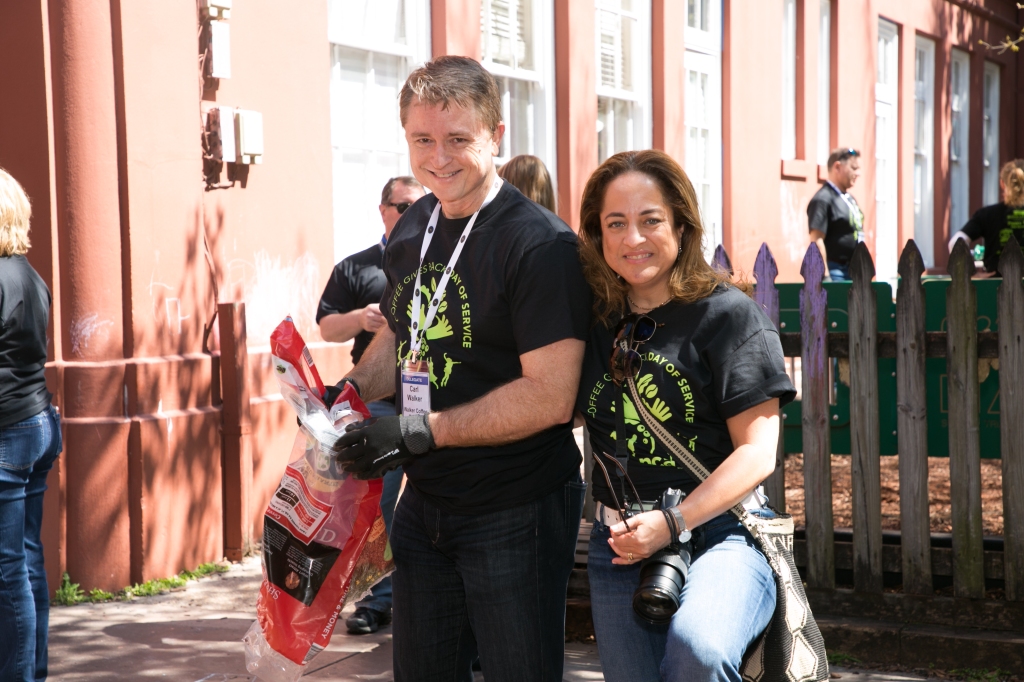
(324,544)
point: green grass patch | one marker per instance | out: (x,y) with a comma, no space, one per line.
(980,674)
(841,659)
(69,593)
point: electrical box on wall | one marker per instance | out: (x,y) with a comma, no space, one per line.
(249,128)
(222,129)
(217,9)
(220,49)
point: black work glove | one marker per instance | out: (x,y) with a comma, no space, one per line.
(331,394)
(369,449)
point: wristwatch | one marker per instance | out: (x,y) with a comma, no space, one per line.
(684,533)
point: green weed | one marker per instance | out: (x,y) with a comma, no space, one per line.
(98,595)
(980,675)
(69,593)
(841,659)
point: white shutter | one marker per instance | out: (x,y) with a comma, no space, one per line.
(615,49)
(504,25)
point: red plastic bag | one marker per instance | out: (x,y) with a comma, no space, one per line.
(324,543)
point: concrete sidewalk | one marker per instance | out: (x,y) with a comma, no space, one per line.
(194,634)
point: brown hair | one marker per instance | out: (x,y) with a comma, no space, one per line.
(528,174)
(841,154)
(15,214)
(451,80)
(389,187)
(1012,175)
(692,278)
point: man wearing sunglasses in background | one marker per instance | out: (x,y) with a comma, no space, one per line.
(350,308)
(834,219)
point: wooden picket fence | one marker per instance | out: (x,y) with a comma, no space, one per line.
(962,345)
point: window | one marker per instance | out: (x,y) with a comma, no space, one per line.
(517,41)
(886,151)
(824,81)
(924,146)
(703,113)
(374,47)
(788,79)
(959,180)
(990,136)
(624,76)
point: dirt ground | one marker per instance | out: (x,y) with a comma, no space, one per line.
(938,488)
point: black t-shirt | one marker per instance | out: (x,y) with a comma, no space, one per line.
(518,286)
(24,314)
(996,224)
(355,283)
(839,218)
(710,361)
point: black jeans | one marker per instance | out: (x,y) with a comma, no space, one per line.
(492,584)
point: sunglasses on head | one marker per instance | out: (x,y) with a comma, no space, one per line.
(847,153)
(633,330)
(400,207)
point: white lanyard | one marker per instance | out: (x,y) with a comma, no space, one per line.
(417,306)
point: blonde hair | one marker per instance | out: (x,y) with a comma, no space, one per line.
(529,175)
(15,214)
(1012,176)
(692,277)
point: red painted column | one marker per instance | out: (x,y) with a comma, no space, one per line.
(668,77)
(455,28)
(575,103)
(92,324)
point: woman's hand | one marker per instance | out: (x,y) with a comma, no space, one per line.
(647,533)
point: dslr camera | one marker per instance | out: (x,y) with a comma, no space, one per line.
(663,574)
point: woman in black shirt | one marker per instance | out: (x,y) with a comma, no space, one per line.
(30,441)
(711,371)
(998,222)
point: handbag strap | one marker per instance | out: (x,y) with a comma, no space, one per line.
(680,452)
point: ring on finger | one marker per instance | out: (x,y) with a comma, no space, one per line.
(629,556)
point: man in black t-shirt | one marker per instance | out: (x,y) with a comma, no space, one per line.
(350,307)
(485,361)
(834,219)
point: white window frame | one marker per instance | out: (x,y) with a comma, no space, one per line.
(703,56)
(788,136)
(637,99)
(358,226)
(824,81)
(924,148)
(540,81)
(886,152)
(990,135)
(959,139)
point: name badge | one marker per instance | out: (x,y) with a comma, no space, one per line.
(415,388)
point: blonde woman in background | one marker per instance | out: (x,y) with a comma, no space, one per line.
(30,441)
(998,222)
(529,175)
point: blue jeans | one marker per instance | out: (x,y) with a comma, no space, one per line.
(379,599)
(838,272)
(727,602)
(492,584)
(27,452)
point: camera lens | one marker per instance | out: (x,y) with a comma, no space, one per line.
(662,577)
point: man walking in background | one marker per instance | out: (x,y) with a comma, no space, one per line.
(350,308)
(834,219)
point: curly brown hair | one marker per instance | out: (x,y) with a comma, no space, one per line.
(692,278)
